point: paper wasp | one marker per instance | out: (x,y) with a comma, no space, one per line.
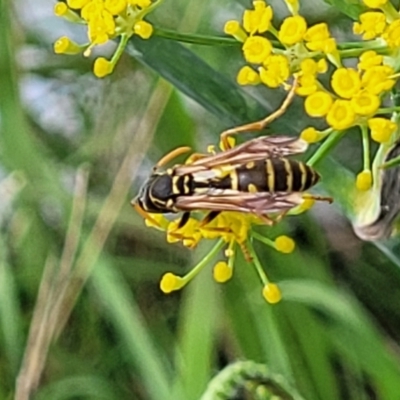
(254,177)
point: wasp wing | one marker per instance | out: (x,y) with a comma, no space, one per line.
(230,200)
(252,150)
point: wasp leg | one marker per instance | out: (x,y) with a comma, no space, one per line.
(259,125)
(318,198)
(267,220)
(209,217)
(171,155)
(184,220)
(195,156)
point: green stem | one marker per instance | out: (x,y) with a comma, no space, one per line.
(263,239)
(120,49)
(325,148)
(366,147)
(388,110)
(257,264)
(394,162)
(195,38)
(206,260)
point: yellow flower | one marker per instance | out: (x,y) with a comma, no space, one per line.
(307,84)
(284,244)
(77,4)
(376,79)
(102,67)
(317,32)
(171,282)
(371,25)
(276,70)
(222,272)
(101,27)
(381,129)
(259,19)
(311,135)
(64,45)
(292,30)
(234,29)
(375,3)
(115,7)
(341,115)
(272,293)
(143,29)
(318,104)
(364,180)
(365,103)
(346,82)
(247,76)
(256,49)
(392,34)
(369,59)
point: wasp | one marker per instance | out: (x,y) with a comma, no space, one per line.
(254,177)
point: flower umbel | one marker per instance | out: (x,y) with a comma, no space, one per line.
(105,20)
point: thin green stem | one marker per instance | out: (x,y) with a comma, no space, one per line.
(394,162)
(120,49)
(257,264)
(206,260)
(325,147)
(356,52)
(366,147)
(195,38)
(263,239)
(388,110)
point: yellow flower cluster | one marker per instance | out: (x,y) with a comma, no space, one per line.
(105,20)
(304,52)
(232,229)
(383,22)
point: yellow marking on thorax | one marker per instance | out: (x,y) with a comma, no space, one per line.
(270,175)
(234,180)
(252,188)
(289,174)
(186,188)
(175,188)
(250,165)
(303,176)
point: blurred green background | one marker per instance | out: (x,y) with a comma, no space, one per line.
(81,313)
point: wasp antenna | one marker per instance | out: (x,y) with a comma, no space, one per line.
(171,155)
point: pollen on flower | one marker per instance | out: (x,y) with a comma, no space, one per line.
(64,45)
(372,24)
(317,32)
(171,282)
(143,29)
(365,103)
(256,49)
(259,19)
(346,82)
(102,67)
(341,115)
(364,180)
(292,30)
(271,293)
(222,272)
(234,29)
(247,76)
(284,244)
(318,104)
(381,129)
(115,7)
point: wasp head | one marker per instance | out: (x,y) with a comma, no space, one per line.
(156,196)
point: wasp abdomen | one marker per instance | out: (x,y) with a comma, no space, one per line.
(273,175)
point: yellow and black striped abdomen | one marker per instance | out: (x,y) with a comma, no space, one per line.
(273,175)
